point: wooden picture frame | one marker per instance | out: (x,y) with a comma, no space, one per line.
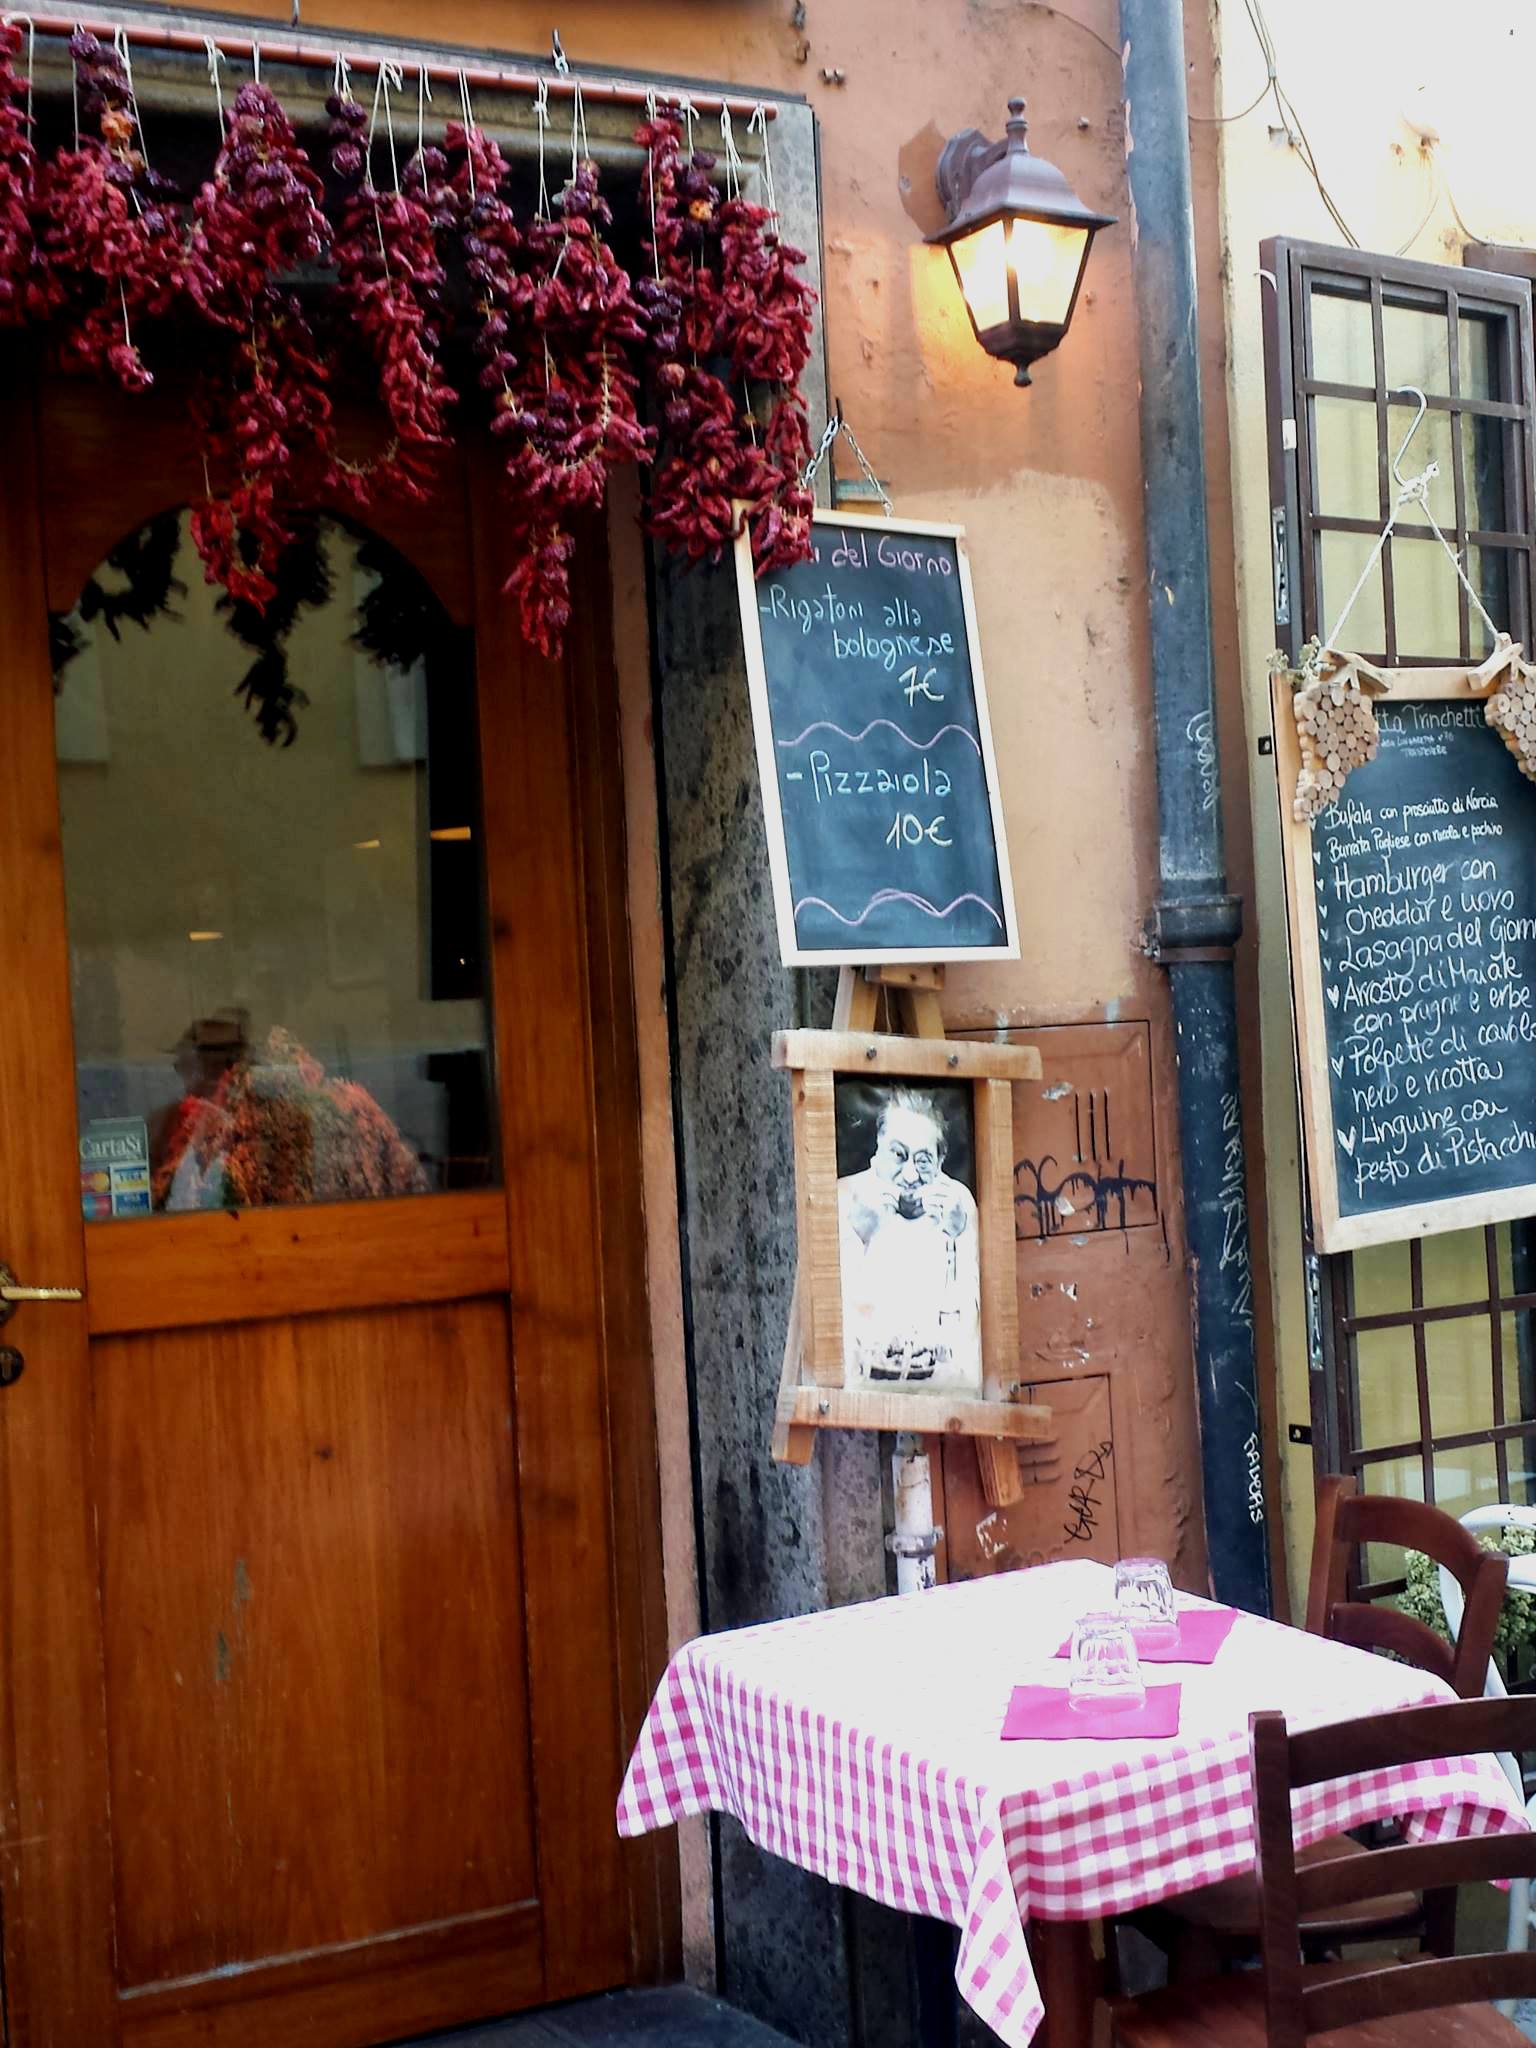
(819,1388)
(1333,1230)
(792,952)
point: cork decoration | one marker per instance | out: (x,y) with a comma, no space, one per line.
(1336,729)
(1511,711)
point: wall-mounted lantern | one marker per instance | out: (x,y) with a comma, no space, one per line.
(1018,237)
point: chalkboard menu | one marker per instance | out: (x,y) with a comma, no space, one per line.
(879,786)
(1414,912)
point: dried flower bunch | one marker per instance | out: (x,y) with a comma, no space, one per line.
(108,236)
(18,171)
(1336,727)
(265,413)
(391,282)
(724,291)
(567,348)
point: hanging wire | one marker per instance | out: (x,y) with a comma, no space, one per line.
(341,78)
(690,114)
(255,61)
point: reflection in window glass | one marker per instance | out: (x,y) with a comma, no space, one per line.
(271,855)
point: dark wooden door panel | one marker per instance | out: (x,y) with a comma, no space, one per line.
(317,1730)
(309,1620)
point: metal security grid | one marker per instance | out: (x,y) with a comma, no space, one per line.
(1346,335)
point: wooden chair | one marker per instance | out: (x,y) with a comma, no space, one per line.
(1201,1929)
(1432,2002)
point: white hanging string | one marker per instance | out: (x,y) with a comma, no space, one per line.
(690,114)
(423,94)
(120,46)
(652,107)
(255,61)
(74,92)
(391,78)
(757,124)
(341,78)
(15,21)
(1413,490)
(581,148)
(469,125)
(215,59)
(541,116)
(733,163)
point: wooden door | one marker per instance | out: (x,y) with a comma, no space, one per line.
(309,1728)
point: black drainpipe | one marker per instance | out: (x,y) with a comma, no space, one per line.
(1195,923)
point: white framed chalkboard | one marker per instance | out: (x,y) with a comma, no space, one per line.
(880,793)
(1412,909)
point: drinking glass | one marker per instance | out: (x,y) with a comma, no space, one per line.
(1144,1600)
(1106,1672)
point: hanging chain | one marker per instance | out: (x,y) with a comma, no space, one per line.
(836,424)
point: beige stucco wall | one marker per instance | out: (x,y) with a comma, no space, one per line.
(1366,78)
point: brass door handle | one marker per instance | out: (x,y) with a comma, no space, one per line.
(12,1294)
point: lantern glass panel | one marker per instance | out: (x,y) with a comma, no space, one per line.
(981,265)
(1046,259)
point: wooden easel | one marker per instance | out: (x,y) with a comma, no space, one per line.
(911,997)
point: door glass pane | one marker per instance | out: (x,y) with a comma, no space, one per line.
(1431,443)
(1427,598)
(1342,349)
(1417,347)
(272,862)
(1348,485)
(1479,345)
(1340,559)
(1484,443)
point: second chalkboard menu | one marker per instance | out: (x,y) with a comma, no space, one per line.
(1413,908)
(885,833)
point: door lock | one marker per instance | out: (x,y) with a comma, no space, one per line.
(12,1294)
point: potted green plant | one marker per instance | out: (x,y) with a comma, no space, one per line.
(1516,1633)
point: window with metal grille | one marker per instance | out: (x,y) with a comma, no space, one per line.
(1424,1373)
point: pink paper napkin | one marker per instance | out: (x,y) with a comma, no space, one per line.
(1044,1713)
(1202,1631)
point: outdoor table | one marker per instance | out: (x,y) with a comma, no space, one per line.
(864,1744)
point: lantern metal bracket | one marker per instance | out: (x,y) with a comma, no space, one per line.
(965,156)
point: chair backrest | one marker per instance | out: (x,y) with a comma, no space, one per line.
(1300,2001)
(1346,1519)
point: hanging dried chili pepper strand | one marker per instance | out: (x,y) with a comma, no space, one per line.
(763,324)
(391,282)
(108,237)
(575,416)
(265,416)
(708,461)
(18,171)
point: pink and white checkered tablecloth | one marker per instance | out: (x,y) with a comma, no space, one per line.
(863,1744)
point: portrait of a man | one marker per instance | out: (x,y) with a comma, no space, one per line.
(910,1264)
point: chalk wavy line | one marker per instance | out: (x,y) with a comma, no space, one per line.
(922,746)
(883,896)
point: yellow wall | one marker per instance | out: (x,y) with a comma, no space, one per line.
(1364,77)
